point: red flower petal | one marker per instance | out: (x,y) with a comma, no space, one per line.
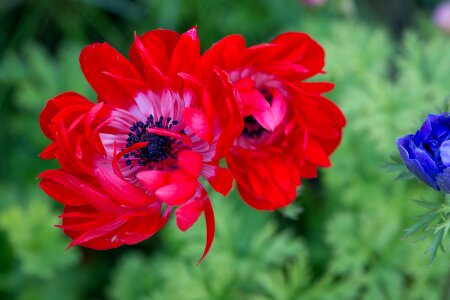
(155,47)
(272,116)
(198,123)
(99,59)
(301,49)
(226,53)
(149,61)
(71,190)
(98,232)
(49,152)
(123,192)
(177,193)
(190,162)
(210,228)
(220,179)
(316,154)
(153,180)
(55,105)
(188,214)
(186,55)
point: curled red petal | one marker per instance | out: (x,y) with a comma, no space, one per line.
(73,191)
(57,104)
(98,232)
(301,49)
(188,214)
(149,60)
(153,180)
(178,192)
(210,228)
(151,52)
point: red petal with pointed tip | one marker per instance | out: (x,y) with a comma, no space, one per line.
(99,59)
(210,228)
(186,55)
(49,152)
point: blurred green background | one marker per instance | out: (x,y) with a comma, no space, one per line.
(342,239)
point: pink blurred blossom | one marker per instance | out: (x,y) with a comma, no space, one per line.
(313,2)
(441,16)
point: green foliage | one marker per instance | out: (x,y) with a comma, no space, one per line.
(35,240)
(34,263)
(37,76)
(292,211)
(245,256)
(341,240)
(33,75)
(370,208)
(435,224)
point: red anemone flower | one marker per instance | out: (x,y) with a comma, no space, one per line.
(131,159)
(290,128)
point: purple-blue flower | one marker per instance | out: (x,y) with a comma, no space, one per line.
(427,153)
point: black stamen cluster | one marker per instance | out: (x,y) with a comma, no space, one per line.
(159,147)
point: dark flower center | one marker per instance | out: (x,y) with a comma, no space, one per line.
(267,95)
(252,128)
(159,147)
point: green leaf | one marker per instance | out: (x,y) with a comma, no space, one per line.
(435,245)
(422,224)
(426,204)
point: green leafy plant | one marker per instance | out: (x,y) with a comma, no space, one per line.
(343,240)
(35,241)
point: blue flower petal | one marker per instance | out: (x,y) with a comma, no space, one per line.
(443,180)
(426,128)
(444,151)
(406,142)
(440,125)
(413,164)
(427,163)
